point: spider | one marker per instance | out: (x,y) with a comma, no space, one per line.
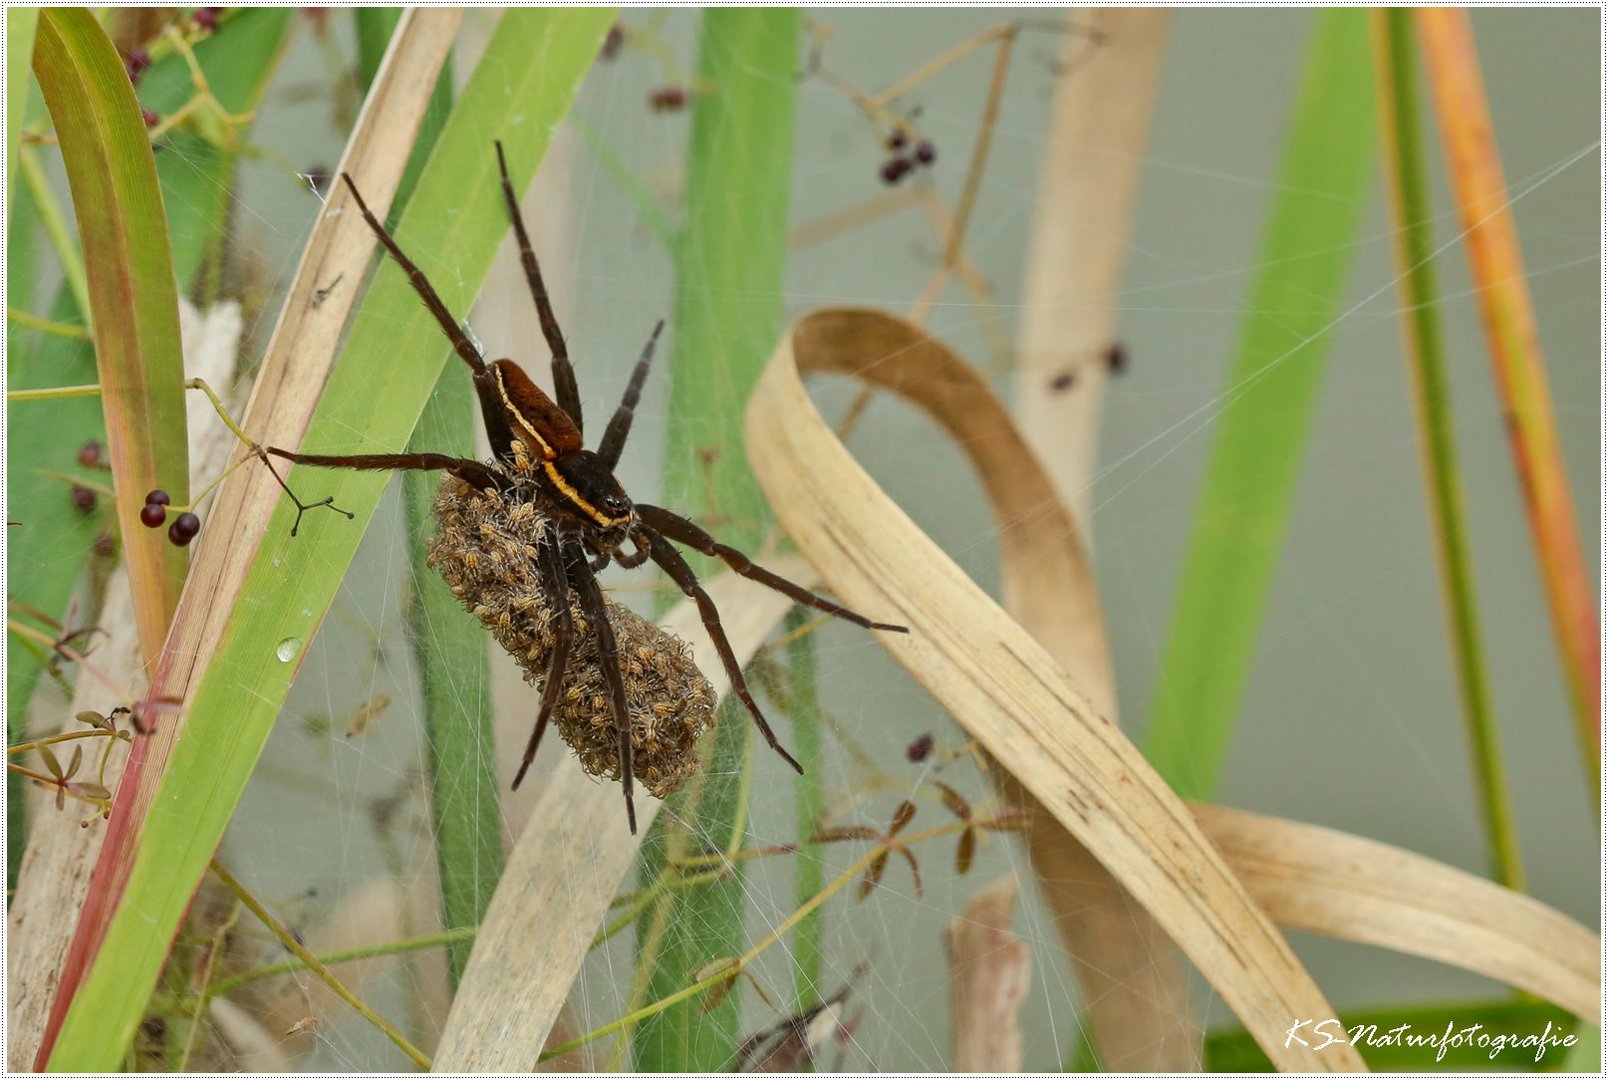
(588,519)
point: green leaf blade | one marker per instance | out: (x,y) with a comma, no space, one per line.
(1270,397)
(392,358)
(730,261)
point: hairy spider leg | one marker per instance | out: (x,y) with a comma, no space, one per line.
(564,385)
(619,428)
(555,583)
(486,388)
(474,473)
(608,654)
(679,529)
(670,560)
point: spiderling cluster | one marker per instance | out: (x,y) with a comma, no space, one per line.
(486,551)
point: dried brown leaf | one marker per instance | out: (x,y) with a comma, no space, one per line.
(952,799)
(965,852)
(901,817)
(915,868)
(873,875)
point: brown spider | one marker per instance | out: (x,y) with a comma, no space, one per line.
(587,517)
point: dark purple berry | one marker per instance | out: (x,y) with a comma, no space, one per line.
(1116,358)
(105,546)
(153,515)
(668,99)
(184,529)
(1064,381)
(612,42)
(926,152)
(83,498)
(207,18)
(159,497)
(151,117)
(136,62)
(918,750)
(894,169)
(896,139)
(89,455)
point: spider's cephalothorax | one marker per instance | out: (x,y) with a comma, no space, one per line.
(550,513)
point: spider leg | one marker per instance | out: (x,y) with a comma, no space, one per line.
(608,654)
(564,386)
(678,528)
(485,384)
(673,564)
(556,584)
(620,423)
(471,472)
(466,469)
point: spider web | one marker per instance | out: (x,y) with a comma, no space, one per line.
(334,830)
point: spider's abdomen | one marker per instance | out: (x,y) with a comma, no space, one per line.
(485,549)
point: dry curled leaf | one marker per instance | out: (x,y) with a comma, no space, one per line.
(996,680)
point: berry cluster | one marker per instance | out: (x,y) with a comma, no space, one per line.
(91,456)
(137,60)
(900,163)
(185,527)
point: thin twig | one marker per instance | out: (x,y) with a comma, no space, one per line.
(224,987)
(317,966)
(731,971)
(34,322)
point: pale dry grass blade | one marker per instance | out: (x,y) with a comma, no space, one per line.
(1329,882)
(293,373)
(56,866)
(569,863)
(1000,684)
(54,875)
(1133,981)
(1088,183)
(990,970)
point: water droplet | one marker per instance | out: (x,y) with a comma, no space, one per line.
(288,649)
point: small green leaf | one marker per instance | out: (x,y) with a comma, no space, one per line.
(52,766)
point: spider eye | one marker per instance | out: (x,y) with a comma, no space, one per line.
(616,505)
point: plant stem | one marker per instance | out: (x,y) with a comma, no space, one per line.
(636,1016)
(55,223)
(1407,177)
(1475,172)
(731,250)
(35,322)
(224,987)
(317,966)
(809,798)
